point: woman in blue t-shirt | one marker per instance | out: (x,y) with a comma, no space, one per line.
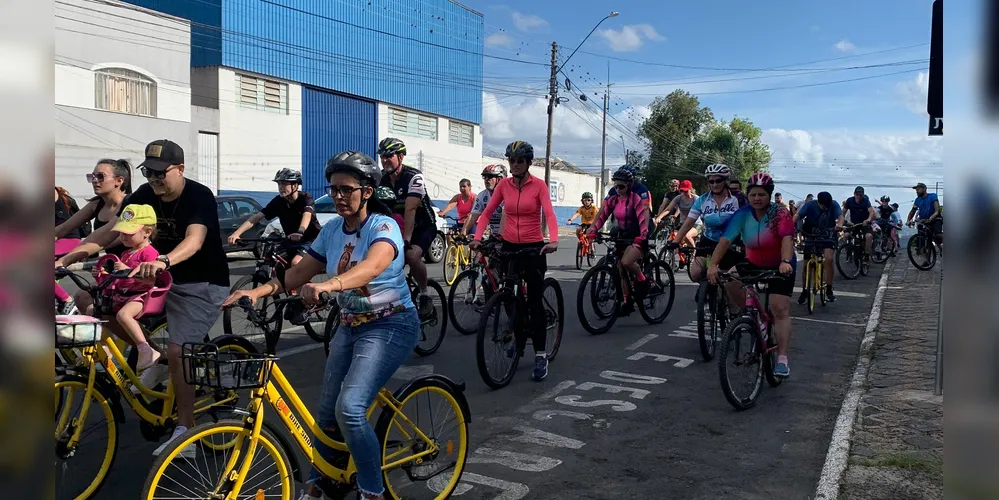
(379,324)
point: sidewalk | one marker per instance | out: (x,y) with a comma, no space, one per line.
(897,447)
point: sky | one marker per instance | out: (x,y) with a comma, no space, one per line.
(838,88)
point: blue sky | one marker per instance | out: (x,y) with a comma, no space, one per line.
(874,128)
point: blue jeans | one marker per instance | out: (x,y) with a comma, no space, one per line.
(362,359)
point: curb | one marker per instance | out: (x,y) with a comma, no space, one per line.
(839,444)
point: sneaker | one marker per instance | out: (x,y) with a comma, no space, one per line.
(188,452)
(426,304)
(68,308)
(802,298)
(147,359)
(540,368)
(153,377)
(626,309)
(829,295)
(781,370)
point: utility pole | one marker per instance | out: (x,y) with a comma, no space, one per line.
(552,100)
(603,137)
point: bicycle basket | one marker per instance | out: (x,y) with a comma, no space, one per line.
(206,366)
(77,331)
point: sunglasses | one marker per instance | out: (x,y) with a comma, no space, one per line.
(342,191)
(518,161)
(387,157)
(99,177)
(149,173)
(716,181)
(620,187)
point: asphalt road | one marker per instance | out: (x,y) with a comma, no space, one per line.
(633,413)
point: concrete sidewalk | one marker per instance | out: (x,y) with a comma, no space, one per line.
(897,447)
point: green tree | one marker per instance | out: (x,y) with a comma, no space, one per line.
(735,143)
(673,124)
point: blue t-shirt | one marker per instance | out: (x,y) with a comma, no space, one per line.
(341,250)
(896,219)
(814,217)
(715,216)
(858,211)
(925,205)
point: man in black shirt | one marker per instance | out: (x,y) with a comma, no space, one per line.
(859,210)
(190,246)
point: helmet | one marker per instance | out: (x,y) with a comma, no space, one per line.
(631,168)
(895,206)
(885,199)
(520,149)
(623,174)
(761,179)
(494,171)
(288,175)
(385,195)
(717,169)
(587,195)
(357,163)
(391,146)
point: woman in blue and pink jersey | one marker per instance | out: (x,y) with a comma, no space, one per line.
(632,215)
(767,230)
(525,198)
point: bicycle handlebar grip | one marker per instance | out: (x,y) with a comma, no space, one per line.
(245,303)
(325,297)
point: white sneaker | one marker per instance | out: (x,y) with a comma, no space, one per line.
(152,377)
(188,452)
(307,496)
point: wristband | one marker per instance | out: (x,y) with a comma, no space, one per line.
(301,230)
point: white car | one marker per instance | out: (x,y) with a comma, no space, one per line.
(325,211)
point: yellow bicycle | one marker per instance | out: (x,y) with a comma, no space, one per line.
(261,463)
(458,257)
(815,276)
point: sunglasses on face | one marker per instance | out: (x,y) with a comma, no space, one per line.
(99,177)
(149,173)
(716,181)
(518,161)
(342,191)
(620,187)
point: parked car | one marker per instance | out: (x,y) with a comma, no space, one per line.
(326,211)
(233,212)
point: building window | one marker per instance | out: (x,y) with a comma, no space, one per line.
(124,91)
(262,94)
(412,123)
(460,133)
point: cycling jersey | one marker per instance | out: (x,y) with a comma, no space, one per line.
(523,206)
(638,188)
(715,215)
(411,184)
(481,200)
(586,215)
(763,238)
(628,212)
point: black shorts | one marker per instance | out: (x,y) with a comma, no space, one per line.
(706,247)
(937,226)
(423,237)
(778,286)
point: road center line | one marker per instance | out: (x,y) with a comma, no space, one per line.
(642,341)
(827,321)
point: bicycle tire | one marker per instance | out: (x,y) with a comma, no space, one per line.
(747,324)
(435,288)
(879,249)
(843,253)
(271,334)
(451,256)
(552,350)
(707,351)
(496,302)
(330,328)
(468,274)
(579,256)
(915,242)
(112,408)
(655,269)
(581,295)
(770,360)
(810,285)
(458,404)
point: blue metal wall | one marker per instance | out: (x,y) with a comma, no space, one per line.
(206,25)
(332,123)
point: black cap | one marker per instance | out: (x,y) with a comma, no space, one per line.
(859,190)
(161,154)
(920,185)
(824,198)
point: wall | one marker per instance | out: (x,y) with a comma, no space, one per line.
(333,123)
(206,17)
(204,120)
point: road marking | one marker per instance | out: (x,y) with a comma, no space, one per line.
(513,460)
(510,491)
(549,394)
(797,289)
(615,404)
(299,350)
(800,318)
(685,334)
(680,362)
(642,341)
(530,435)
(839,444)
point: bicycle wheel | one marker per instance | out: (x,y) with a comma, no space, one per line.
(500,341)
(432,470)
(330,328)
(172,473)
(810,284)
(77,480)
(241,325)
(924,250)
(846,256)
(554,314)
(770,359)
(465,300)
(433,326)
(602,293)
(880,249)
(451,264)
(579,256)
(705,319)
(661,292)
(741,343)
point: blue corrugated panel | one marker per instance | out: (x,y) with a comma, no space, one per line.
(206,25)
(332,123)
(422,55)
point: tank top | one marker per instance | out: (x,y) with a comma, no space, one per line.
(465,207)
(115,248)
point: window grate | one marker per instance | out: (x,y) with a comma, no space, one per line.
(461,134)
(124,91)
(262,94)
(412,124)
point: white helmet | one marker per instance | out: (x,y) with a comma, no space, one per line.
(717,169)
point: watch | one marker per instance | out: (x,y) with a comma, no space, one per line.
(164,259)
(786,261)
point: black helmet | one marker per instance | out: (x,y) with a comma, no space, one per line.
(885,199)
(288,175)
(520,149)
(385,195)
(391,146)
(623,174)
(357,163)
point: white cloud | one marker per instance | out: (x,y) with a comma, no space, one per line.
(845,46)
(913,92)
(528,22)
(630,37)
(499,39)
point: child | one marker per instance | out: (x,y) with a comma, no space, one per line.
(137,226)
(587,213)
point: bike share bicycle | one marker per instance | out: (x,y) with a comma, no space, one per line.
(458,257)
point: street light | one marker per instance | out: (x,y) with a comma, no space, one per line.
(553,94)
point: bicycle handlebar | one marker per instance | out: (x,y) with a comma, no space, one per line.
(62,272)
(246,305)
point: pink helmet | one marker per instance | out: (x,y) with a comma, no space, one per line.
(761,179)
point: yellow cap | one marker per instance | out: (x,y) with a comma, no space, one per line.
(134,217)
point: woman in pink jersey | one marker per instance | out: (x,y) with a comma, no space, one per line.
(524,198)
(632,215)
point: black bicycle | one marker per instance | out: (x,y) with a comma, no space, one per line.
(601,287)
(850,258)
(511,300)
(922,248)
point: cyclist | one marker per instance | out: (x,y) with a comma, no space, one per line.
(418,226)
(586,213)
(928,207)
(491,177)
(859,209)
(735,187)
(464,200)
(818,218)
(112,183)
(529,200)
(715,208)
(632,214)
(674,191)
(294,208)
(682,202)
(896,225)
(768,232)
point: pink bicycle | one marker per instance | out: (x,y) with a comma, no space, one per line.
(749,344)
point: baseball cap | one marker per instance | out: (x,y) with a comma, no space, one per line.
(859,190)
(160,154)
(134,217)
(920,185)
(686,185)
(824,198)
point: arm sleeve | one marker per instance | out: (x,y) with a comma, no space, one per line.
(204,209)
(478,206)
(310,203)
(785,224)
(734,226)
(605,211)
(549,211)
(494,202)
(270,211)
(695,208)
(416,187)
(643,219)
(318,247)
(148,254)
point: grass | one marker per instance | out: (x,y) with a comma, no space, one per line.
(931,465)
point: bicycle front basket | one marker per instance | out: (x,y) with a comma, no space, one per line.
(77,331)
(206,366)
